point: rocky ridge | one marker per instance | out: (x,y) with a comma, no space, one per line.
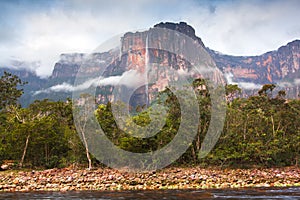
(280,67)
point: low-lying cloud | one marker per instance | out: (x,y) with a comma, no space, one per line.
(39,31)
(297,81)
(131,78)
(289,84)
(241,84)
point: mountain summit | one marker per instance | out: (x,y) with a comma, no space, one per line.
(280,67)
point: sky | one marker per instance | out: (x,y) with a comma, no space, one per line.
(33,33)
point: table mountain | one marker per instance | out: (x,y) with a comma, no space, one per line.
(280,67)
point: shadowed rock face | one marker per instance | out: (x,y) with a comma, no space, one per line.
(270,67)
(181,27)
(278,67)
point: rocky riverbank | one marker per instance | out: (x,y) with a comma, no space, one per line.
(169,178)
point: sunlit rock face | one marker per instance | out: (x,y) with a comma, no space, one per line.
(280,67)
(266,68)
(145,52)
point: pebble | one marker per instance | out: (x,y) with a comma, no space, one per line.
(169,178)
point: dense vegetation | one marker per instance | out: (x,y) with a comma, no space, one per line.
(262,130)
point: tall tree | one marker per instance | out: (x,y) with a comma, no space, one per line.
(9,89)
(82,120)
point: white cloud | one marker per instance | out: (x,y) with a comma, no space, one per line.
(130,78)
(284,84)
(249,85)
(72,26)
(241,84)
(231,27)
(183,72)
(297,81)
(247,27)
(292,83)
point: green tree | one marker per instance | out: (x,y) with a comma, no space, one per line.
(231,91)
(9,89)
(267,89)
(41,135)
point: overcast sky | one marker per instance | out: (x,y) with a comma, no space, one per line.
(38,31)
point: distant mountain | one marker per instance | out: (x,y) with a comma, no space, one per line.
(280,67)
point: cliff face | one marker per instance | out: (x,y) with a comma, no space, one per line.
(279,67)
(152,53)
(181,27)
(271,67)
(67,67)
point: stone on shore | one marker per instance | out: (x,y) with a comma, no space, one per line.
(169,178)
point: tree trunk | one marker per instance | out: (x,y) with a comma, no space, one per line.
(86,145)
(194,154)
(24,151)
(273,126)
(87,150)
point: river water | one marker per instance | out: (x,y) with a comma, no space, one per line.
(291,193)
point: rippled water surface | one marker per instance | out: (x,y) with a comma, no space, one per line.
(292,193)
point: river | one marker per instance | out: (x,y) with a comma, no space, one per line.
(291,193)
